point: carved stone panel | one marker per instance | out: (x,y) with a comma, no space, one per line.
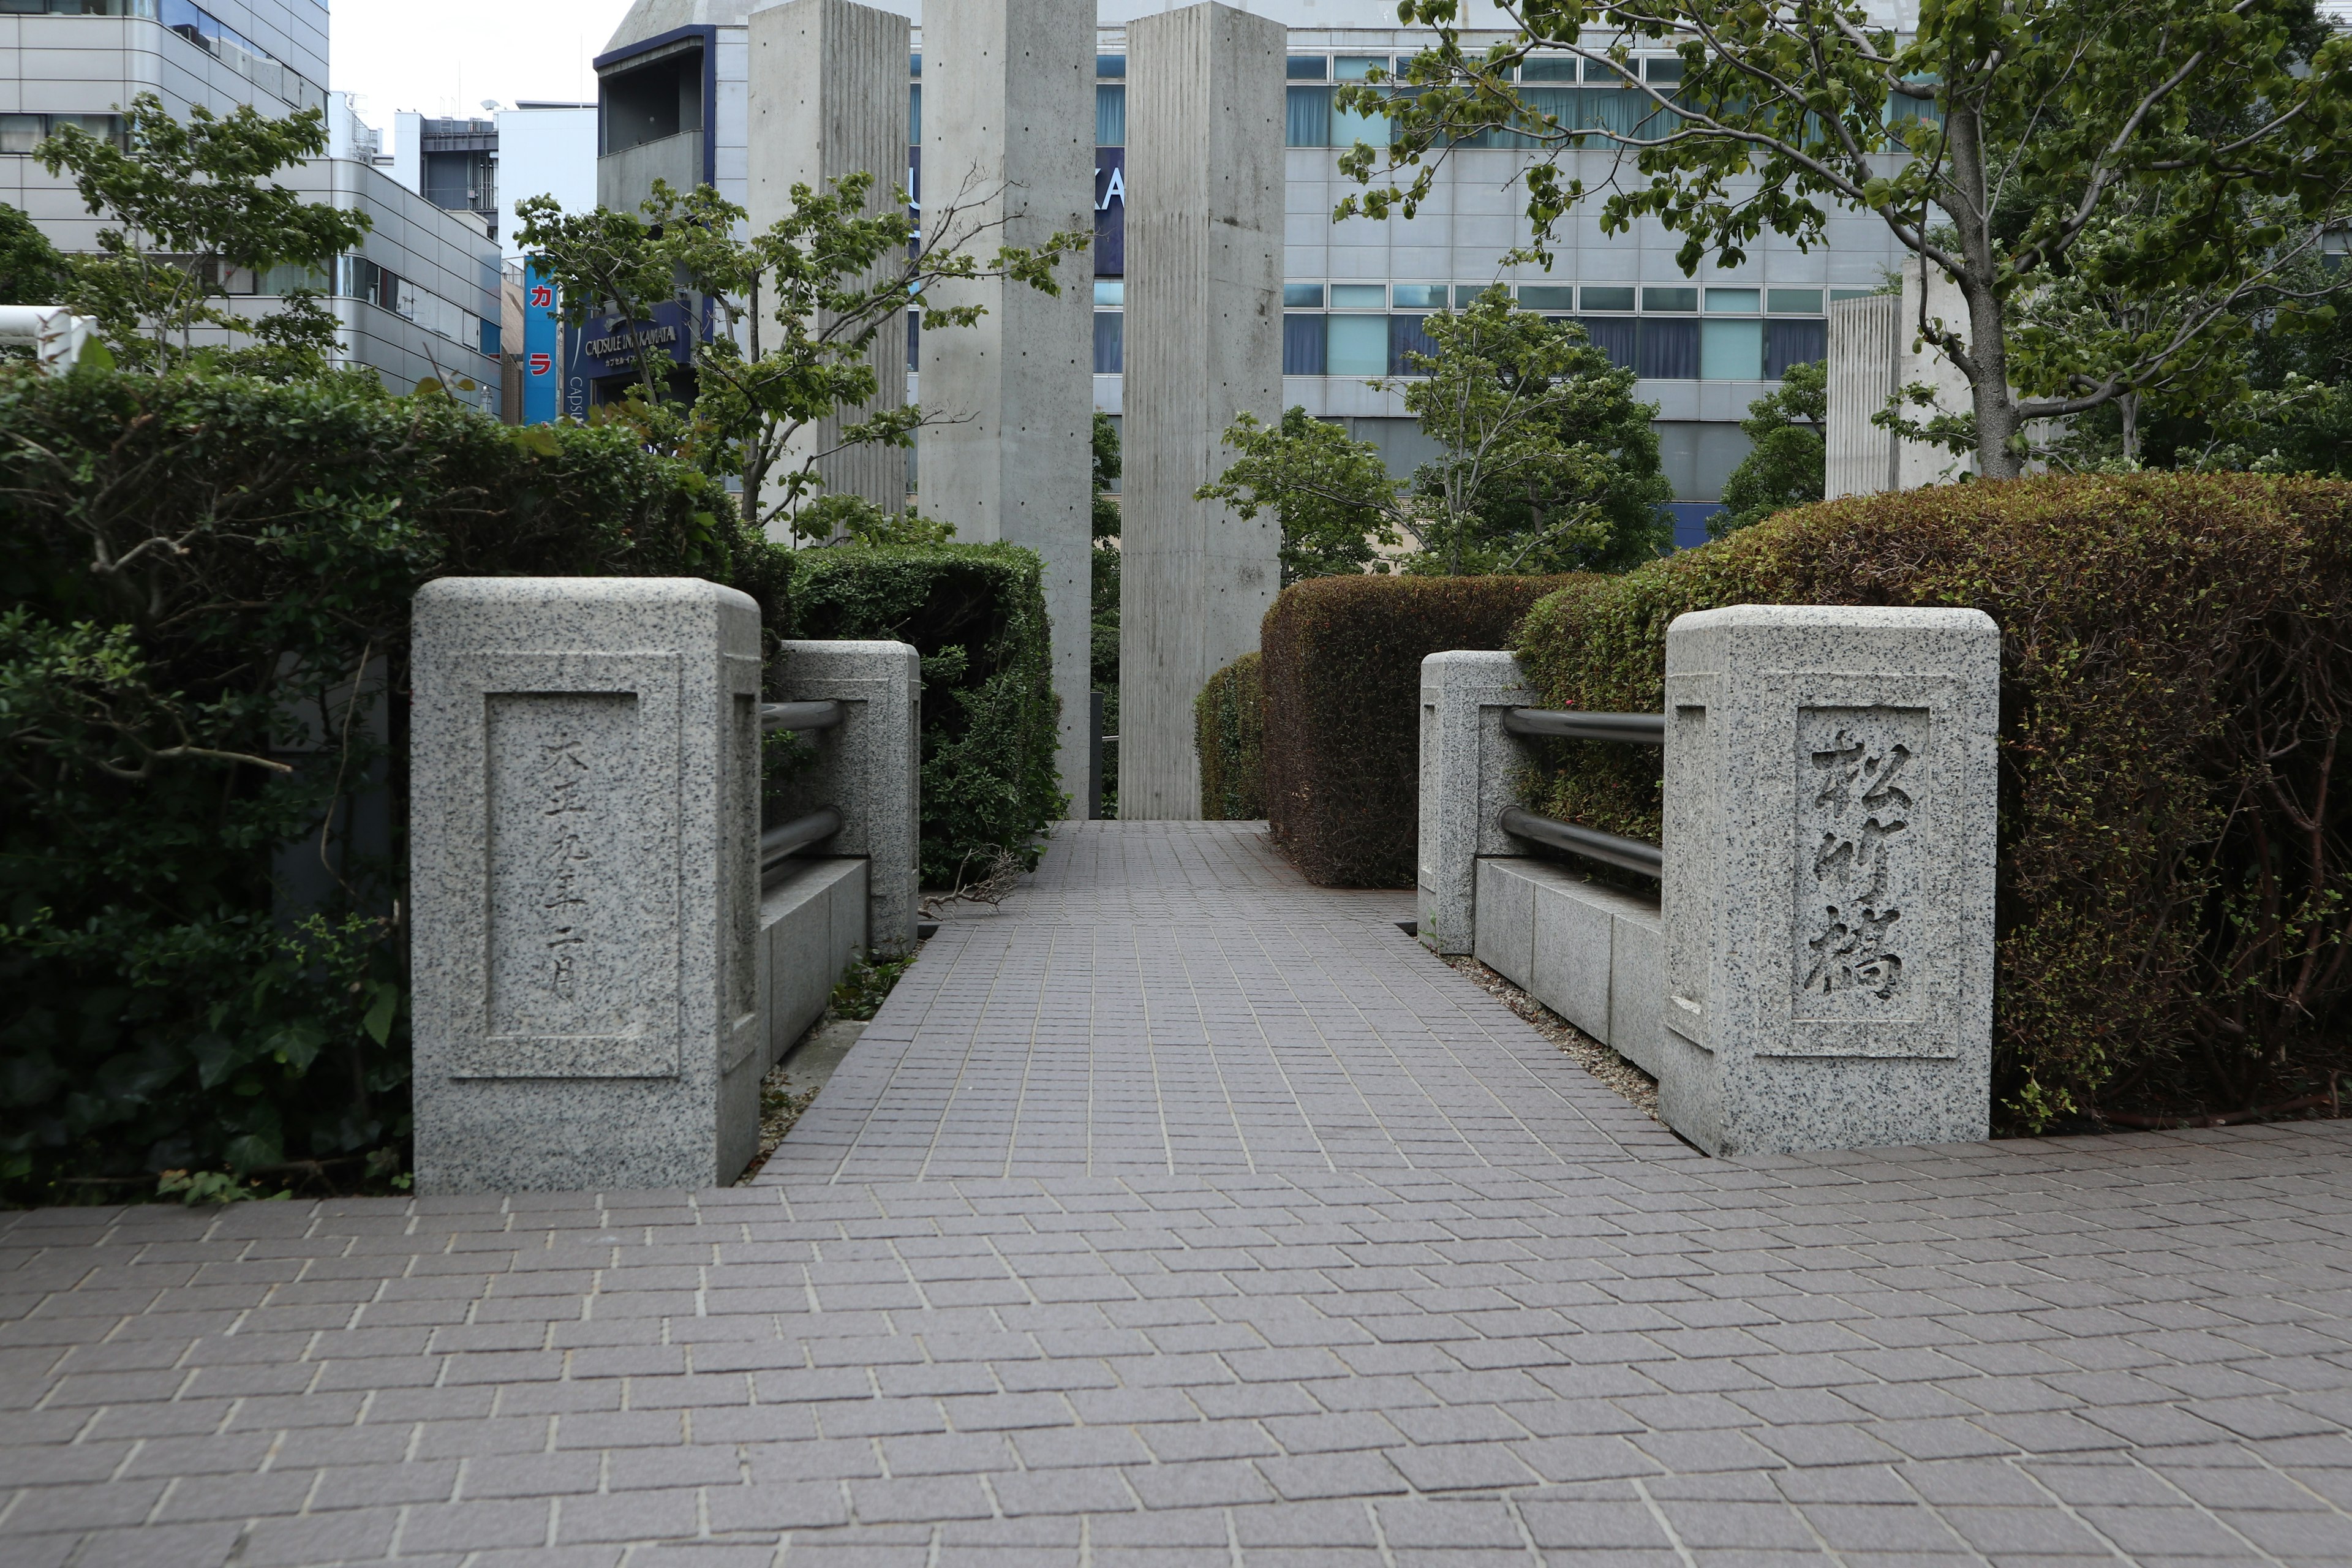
(1865,826)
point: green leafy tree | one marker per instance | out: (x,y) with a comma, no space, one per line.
(191,204)
(1547,462)
(1788,461)
(2019,124)
(1107,463)
(795,307)
(31,270)
(1331,493)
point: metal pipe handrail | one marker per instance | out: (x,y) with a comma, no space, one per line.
(1635,729)
(801,716)
(1630,854)
(782,843)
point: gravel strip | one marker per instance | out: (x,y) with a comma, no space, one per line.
(1578,1046)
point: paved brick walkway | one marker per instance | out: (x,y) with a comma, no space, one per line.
(1333,1263)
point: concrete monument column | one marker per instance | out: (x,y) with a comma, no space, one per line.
(1205,220)
(1830,808)
(586,765)
(828,98)
(1008,140)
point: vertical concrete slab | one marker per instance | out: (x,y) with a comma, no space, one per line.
(1829,878)
(1009,143)
(584,855)
(828,98)
(1866,363)
(1204,226)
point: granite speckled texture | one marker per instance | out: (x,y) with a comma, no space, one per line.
(868,768)
(812,922)
(585,756)
(1829,889)
(1588,952)
(1467,763)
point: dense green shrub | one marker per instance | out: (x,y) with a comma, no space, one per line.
(1342,677)
(1229,731)
(976,613)
(2175,833)
(201,954)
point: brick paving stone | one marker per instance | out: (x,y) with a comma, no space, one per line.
(1180,1213)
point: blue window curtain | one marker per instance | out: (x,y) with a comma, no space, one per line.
(1111,342)
(1405,337)
(1793,343)
(1668,350)
(1306,116)
(1302,345)
(1110,115)
(914,340)
(1612,335)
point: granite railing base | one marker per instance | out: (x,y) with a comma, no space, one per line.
(812,923)
(1594,955)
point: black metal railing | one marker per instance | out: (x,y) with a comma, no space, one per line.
(800,716)
(1610,848)
(780,843)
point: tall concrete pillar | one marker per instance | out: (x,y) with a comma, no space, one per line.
(1204,170)
(1008,140)
(828,98)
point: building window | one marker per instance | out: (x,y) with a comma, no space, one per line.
(1609,297)
(914,340)
(1302,345)
(1405,337)
(1615,336)
(1419,296)
(1793,302)
(1111,67)
(914,115)
(1302,296)
(241,53)
(1546,297)
(1672,299)
(24,132)
(1360,296)
(1305,67)
(649,102)
(1793,343)
(490,339)
(1111,342)
(1356,345)
(1667,350)
(1110,115)
(1731,350)
(1306,116)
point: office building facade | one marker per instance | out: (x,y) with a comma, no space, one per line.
(417,298)
(673,103)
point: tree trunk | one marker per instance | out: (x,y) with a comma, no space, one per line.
(1988,347)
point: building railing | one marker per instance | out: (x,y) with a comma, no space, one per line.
(778,845)
(1609,848)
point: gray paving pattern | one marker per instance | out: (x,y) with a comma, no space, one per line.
(1287,1329)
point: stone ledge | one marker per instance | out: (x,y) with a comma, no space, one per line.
(1594,955)
(810,923)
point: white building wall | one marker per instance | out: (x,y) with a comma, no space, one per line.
(545,151)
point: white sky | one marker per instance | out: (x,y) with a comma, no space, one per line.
(444,56)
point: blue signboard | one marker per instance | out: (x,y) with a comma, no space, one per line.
(1110,206)
(607,346)
(542,377)
(1110,212)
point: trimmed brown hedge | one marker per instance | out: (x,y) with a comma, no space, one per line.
(2176,857)
(1342,676)
(1229,729)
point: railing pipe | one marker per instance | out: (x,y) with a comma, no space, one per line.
(1630,854)
(782,843)
(1635,729)
(800,716)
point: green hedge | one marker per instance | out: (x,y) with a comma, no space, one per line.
(195,567)
(2176,829)
(1342,676)
(976,613)
(1229,731)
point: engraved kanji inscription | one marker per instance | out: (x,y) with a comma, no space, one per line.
(1860,837)
(562,852)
